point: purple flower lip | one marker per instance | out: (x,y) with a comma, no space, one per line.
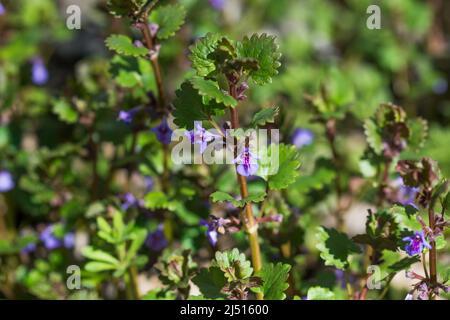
(6,181)
(200,136)
(406,196)
(39,73)
(156,240)
(127,116)
(163,132)
(416,243)
(302,137)
(247,164)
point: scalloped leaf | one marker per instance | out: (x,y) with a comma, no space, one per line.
(418,132)
(373,136)
(123,45)
(335,247)
(190,106)
(121,8)
(264,116)
(233,264)
(200,52)
(279,174)
(274,277)
(211,90)
(220,196)
(263,49)
(169,18)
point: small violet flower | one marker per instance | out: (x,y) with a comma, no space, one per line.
(163,132)
(51,242)
(29,248)
(200,136)
(2,9)
(39,73)
(247,164)
(127,116)
(416,243)
(406,196)
(217,4)
(156,240)
(149,183)
(6,181)
(302,137)
(213,225)
(130,201)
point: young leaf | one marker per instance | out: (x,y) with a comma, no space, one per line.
(335,247)
(200,51)
(319,293)
(418,130)
(65,111)
(373,136)
(123,45)
(211,90)
(264,116)
(263,49)
(95,266)
(274,279)
(169,18)
(233,264)
(279,166)
(220,196)
(210,282)
(91,253)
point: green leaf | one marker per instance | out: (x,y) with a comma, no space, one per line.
(91,253)
(190,106)
(123,45)
(65,111)
(263,49)
(274,279)
(335,247)
(95,266)
(103,225)
(264,116)
(157,200)
(403,264)
(169,18)
(220,196)
(210,282)
(211,90)
(418,130)
(200,52)
(374,138)
(319,293)
(123,8)
(138,238)
(234,265)
(279,165)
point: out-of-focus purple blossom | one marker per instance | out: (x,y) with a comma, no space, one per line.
(29,248)
(48,238)
(39,73)
(138,43)
(149,183)
(200,136)
(127,116)
(240,91)
(422,291)
(2,9)
(69,240)
(213,224)
(302,137)
(153,28)
(247,164)
(440,86)
(163,132)
(6,181)
(340,277)
(416,243)
(405,195)
(217,4)
(409,296)
(156,240)
(130,201)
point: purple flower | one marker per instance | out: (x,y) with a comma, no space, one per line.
(156,240)
(2,9)
(29,248)
(213,224)
(406,195)
(302,137)
(6,181)
(69,240)
(416,243)
(39,71)
(130,201)
(149,183)
(127,116)
(200,135)
(340,277)
(49,239)
(409,296)
(247,164)
(217,4)
(163,132)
